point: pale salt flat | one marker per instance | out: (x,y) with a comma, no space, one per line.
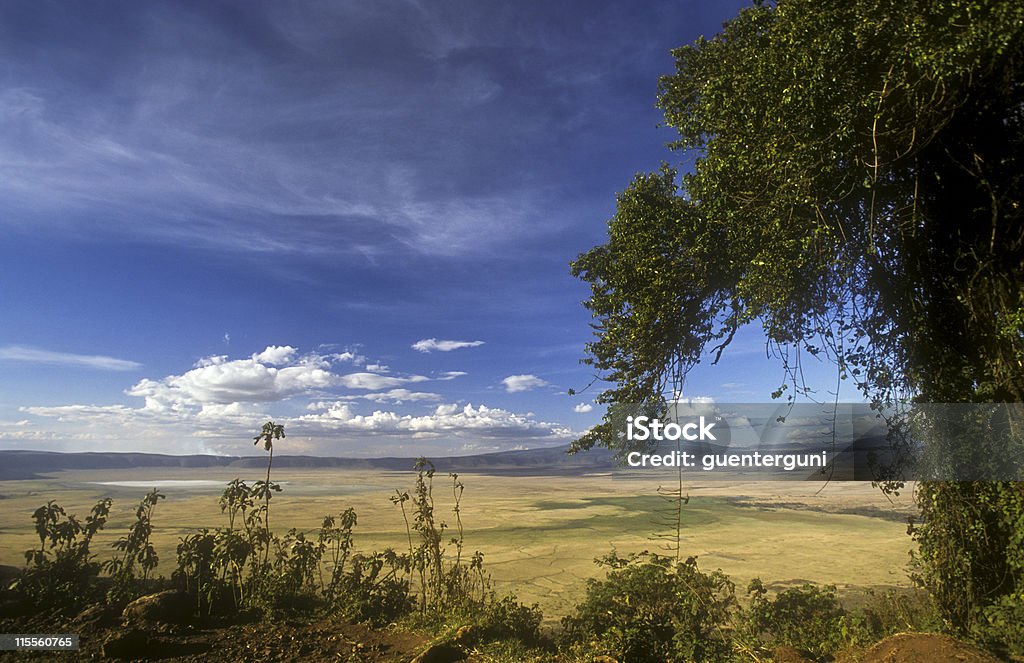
(161,483)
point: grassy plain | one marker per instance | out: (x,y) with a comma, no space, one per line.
(539,534)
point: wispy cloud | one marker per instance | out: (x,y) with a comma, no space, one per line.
(40,356)
(399,396)
(207,129)
(377,381)
(431,344)
(516,383)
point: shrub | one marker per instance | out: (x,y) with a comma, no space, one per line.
(508,619)
(376,588)
(60,570)
(971,557)
(652,608)
(808,618)
(134,549)
(897,612)
(447,583)
(1003,625)
(196,572)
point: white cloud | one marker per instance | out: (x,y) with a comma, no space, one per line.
(348,356)
(275,374)
(451,375)
(582,408)
(276,355)
(39,356)
(514,383)
(71,165)
(452,419)
(219,380)
(694,400)
(377,368)
(213,407)
(375,381)
(401,396)
(431,344)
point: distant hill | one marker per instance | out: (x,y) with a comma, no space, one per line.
(16,464)
(853,462)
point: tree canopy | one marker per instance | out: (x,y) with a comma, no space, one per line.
(856,192)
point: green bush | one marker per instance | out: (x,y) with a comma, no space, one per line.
(375,589)
(1002,627)
(970,557)
(651,608)
(808,618)
(134,550)
(898,612)
(508,619)
(448,583)
(61,569)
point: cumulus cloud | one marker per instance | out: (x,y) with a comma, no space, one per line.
(277,373)
(275,355)
(431,344)
(582,408)
(211,408)
(220,380)
(480,421)
(40,356)
(515,383)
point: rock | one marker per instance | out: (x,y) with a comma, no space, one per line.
(131,643)
(96,616)
(168,607)
(445,652)
(791,655)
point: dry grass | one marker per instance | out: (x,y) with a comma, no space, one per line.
(539,534)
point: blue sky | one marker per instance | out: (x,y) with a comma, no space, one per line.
(355,218)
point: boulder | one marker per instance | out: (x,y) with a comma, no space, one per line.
(168,607)
(96,616)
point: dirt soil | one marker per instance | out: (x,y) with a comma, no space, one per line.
(921,648)
(333,639)
(285,642)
